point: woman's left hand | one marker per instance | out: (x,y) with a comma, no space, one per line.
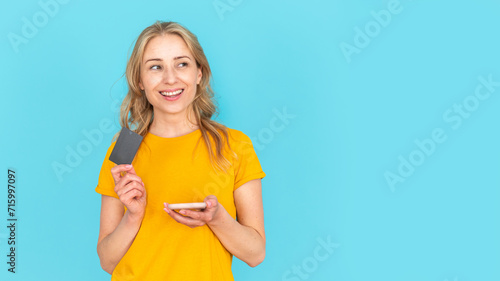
(196,218)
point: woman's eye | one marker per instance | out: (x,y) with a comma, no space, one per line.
(155,67)
(183,64)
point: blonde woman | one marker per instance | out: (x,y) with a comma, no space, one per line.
(184,157)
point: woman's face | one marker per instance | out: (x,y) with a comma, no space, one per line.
(169,75)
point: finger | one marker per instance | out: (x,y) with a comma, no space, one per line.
(132,170)
(196,215)
(123,187)
(179,218)
(209,197)
(128,179)
(118,169)
(131,196)
(137,188)
(131,177)
(211,201)
(131,186)
(185,220)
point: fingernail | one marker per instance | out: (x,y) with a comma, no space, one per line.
(128,166)
(182,212)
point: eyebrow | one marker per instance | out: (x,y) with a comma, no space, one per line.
(176,58)
(181,57)
(152,60)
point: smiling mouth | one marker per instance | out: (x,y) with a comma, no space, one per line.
(172,94)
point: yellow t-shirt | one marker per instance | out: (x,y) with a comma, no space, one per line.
(178,170)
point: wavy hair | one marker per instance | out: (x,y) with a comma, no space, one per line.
(136,112)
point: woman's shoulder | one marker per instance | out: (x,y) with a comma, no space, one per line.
(239,141)
(237,135)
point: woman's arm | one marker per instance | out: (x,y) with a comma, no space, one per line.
(117,230)
(244,238)
(116,234)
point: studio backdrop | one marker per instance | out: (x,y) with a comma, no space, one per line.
(377,124)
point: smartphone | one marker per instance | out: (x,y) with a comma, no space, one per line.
(201,205)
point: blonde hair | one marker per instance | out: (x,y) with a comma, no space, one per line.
(136,112)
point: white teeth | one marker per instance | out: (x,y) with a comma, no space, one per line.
(171,93)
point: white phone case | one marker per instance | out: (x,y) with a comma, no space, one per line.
(201,205)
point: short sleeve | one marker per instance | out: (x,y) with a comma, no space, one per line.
(106,184)
(246,165)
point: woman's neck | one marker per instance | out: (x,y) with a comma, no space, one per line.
(171,126)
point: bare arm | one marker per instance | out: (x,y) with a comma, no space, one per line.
(244,238)
(117,230)
(116,234)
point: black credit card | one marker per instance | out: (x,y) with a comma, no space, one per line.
(126,147)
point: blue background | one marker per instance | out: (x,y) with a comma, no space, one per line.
(355,116)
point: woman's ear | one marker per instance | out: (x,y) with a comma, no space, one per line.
(200,75)
(140,86)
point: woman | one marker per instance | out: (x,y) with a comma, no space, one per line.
(184,157)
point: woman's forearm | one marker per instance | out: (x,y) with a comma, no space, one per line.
(113,247)
(242,241)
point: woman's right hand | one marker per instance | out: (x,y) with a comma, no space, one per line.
(130,189)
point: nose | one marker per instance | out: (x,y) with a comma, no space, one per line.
(169,76)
